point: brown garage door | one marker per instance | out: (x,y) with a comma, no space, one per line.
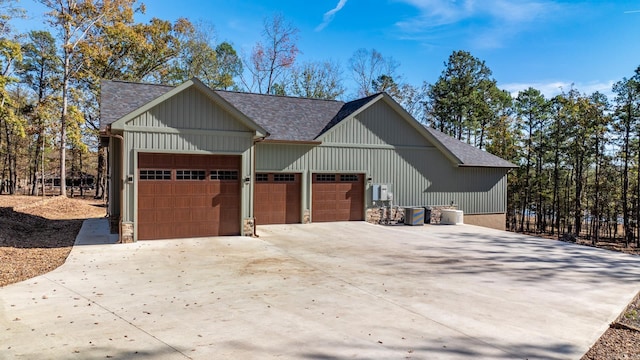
(183,196)
(277,199)
(337,197)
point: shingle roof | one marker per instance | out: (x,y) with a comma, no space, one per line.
(285,118)
(467,154)
(118,98)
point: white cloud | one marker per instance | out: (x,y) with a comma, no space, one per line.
(329,15)
(519,11)
(436,13)
(553,88)
(489,21)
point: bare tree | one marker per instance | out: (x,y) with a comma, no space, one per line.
(369,68)
(271,57)
(318,80)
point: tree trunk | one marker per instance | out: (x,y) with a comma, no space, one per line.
(525,189)
(9,161)
(577,210)
(637,209)
(539,206)
(82,179)
(101,179)
(35,166)
(63,128)
(568,225)
(556,182)
(625,180)
(596,206)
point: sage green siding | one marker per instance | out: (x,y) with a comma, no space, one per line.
(389,150)
(189,109)
(377,125)
(189,123)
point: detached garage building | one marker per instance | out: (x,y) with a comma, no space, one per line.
(188,161)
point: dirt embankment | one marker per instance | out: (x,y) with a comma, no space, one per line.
(36,234)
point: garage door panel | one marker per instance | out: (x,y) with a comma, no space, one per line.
(263,198)
(162,187)
(217,201)
(147,217)
(182,216)
(146,203)
(200,215)
(182,202)
(227,217)
(164,216)
(147,232)
(229,187)
(213,187)
(187,161)
(188,188)
(191,204)
(148,190)
(277,198)
(201,202)
(337,197)
(151,160)
(163,202)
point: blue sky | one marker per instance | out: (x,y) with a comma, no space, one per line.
(546,44)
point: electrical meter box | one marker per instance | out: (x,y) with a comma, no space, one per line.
(381,192)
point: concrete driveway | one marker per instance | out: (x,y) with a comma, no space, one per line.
(320,291)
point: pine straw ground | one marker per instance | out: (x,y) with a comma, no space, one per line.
(36,236)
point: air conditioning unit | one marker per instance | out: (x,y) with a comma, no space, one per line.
(451,217)
(414,216)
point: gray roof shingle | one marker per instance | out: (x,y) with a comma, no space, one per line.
(285,118)
(469,155)
(118,98)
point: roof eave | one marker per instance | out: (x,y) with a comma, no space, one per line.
(512,166)
(293,142)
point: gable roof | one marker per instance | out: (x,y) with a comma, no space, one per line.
(248,122)
(468,155)
(118,98)
(285,118)
(281,118)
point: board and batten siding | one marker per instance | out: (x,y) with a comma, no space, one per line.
(187,123)
(377,125)
(385,147)
(419,177)
(189,109)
